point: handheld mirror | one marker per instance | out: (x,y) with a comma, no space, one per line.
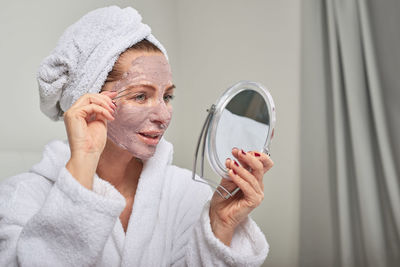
(243,117)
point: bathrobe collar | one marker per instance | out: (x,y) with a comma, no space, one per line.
(147,200)
(57,153)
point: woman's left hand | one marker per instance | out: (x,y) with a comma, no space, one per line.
(227,214)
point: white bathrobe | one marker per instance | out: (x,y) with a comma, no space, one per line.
(48,219)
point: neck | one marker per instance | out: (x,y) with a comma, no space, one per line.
(120,168)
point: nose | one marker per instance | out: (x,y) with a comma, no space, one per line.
(161,114)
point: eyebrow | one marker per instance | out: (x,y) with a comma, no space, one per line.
(170,88)
(147,86)
(141,85)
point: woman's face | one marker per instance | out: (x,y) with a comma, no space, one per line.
(143,102)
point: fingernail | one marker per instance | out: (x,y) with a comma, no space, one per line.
(257,154)
(234,172)
(244,153)
(236,163)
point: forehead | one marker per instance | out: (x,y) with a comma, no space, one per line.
(143,61)
(143,69)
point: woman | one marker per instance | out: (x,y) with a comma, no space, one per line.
(110,80)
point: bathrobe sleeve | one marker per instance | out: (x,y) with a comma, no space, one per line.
(66,226)
(196,245)
(248,247)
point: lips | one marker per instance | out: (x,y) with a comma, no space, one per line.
(150,137)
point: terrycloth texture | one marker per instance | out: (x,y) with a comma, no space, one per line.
(85,54)
(48,219)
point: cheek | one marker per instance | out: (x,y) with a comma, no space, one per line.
(170,110)
(132,116)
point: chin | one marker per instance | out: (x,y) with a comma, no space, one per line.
(143,154)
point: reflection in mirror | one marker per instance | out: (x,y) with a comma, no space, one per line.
(244,123)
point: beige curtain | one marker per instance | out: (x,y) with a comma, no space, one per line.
(350,189)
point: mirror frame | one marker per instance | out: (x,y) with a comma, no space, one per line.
(222,102)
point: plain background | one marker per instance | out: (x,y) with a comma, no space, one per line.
(211,45)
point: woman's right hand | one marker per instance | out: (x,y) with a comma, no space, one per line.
(86,125)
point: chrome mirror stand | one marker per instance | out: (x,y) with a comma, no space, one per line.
(202,141)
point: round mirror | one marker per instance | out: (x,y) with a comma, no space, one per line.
(244,117)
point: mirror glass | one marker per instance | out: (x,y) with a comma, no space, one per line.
(244,123)
(243,117)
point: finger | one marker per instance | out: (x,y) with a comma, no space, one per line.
(246,188)
(228,184)
(228,163)
(242,158)
(246,175)
(253,162)
(88,110)
(253,198)
(264,159)
(111,95)
(259,176)
(98,99)
(96,117)
(235,153)
(106,98)
(249,192)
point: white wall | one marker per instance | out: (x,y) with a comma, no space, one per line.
(211,44)
(222,42)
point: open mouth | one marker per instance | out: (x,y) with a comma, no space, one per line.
(150,138)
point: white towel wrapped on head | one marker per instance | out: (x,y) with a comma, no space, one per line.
(86,53)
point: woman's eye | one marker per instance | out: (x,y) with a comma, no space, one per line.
(168,98)
(139,97)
